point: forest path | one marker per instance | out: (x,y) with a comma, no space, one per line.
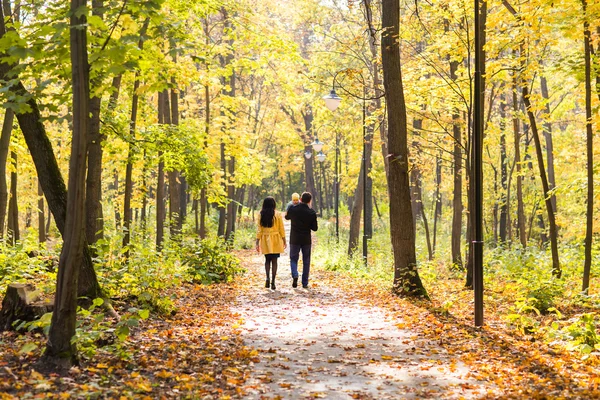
(331,341)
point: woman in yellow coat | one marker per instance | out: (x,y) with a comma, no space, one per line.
(270,238)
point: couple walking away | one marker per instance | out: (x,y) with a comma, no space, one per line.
(270,237)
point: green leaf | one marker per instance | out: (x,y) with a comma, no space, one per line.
(144,314)
(28,348)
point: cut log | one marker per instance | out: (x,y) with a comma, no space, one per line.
(21,302)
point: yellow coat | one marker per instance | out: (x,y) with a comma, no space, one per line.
(271,239)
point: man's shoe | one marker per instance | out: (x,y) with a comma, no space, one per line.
(305,286)
(295,282)
(273,285)
(267,283)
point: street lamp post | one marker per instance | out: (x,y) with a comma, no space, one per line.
(332,101)
(478,175)
(337,187)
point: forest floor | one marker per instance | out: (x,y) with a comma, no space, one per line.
(342,338)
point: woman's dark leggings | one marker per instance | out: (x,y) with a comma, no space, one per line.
(268,264)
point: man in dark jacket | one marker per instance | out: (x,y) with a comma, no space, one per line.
(304,220)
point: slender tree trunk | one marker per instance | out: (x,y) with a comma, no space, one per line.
(175,215)
(221,208)
(129,168)
(14,233)
(547,128)
(357,207)
(60,349)
(587,265)
(556,270)
(503,172)
(457,205)
(41,216)
(437,212)
(517,142)
(116,199)
(406,275)
(4,146)
(160,183)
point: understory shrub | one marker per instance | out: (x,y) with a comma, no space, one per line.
(209,261)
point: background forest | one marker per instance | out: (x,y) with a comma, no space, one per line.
(201,108)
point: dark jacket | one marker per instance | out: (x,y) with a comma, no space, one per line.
(304,219)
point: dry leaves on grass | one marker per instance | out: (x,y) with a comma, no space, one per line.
(197,352)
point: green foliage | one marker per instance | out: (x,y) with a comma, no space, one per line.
(208,261)
(581,335)
(145,275)
(26,262)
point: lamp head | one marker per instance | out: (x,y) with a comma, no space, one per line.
(317,145)
(307,154)
(321,156)
(332,100)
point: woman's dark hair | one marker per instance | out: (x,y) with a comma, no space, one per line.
(267,214)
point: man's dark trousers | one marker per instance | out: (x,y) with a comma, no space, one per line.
(294,255)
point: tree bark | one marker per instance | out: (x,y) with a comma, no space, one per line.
(160,185)
(517,143)
(14,233)
(547,128)
(406,275)
(175,216)
(503,172)
(587,265)
(41,215)
(4,146)
(437,212)
(61,350)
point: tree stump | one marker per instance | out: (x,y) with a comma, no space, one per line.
(21,302)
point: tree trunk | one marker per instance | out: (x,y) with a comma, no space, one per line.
(41,216)
(4,146)
(357,207)
(174,184)
(503,172)
(457,206)
(587,265)
(14,233)
(522,232)
(221,208)
(160,184)
(556,270)
(60,350)
(417,203)
(437,212)
(129,168)
(406,275)
(547,127)
(94,217)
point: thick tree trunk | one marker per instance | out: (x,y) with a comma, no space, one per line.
(406,275)
(4,146)
(60,350)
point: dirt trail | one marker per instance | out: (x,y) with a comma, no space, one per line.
(323,343)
